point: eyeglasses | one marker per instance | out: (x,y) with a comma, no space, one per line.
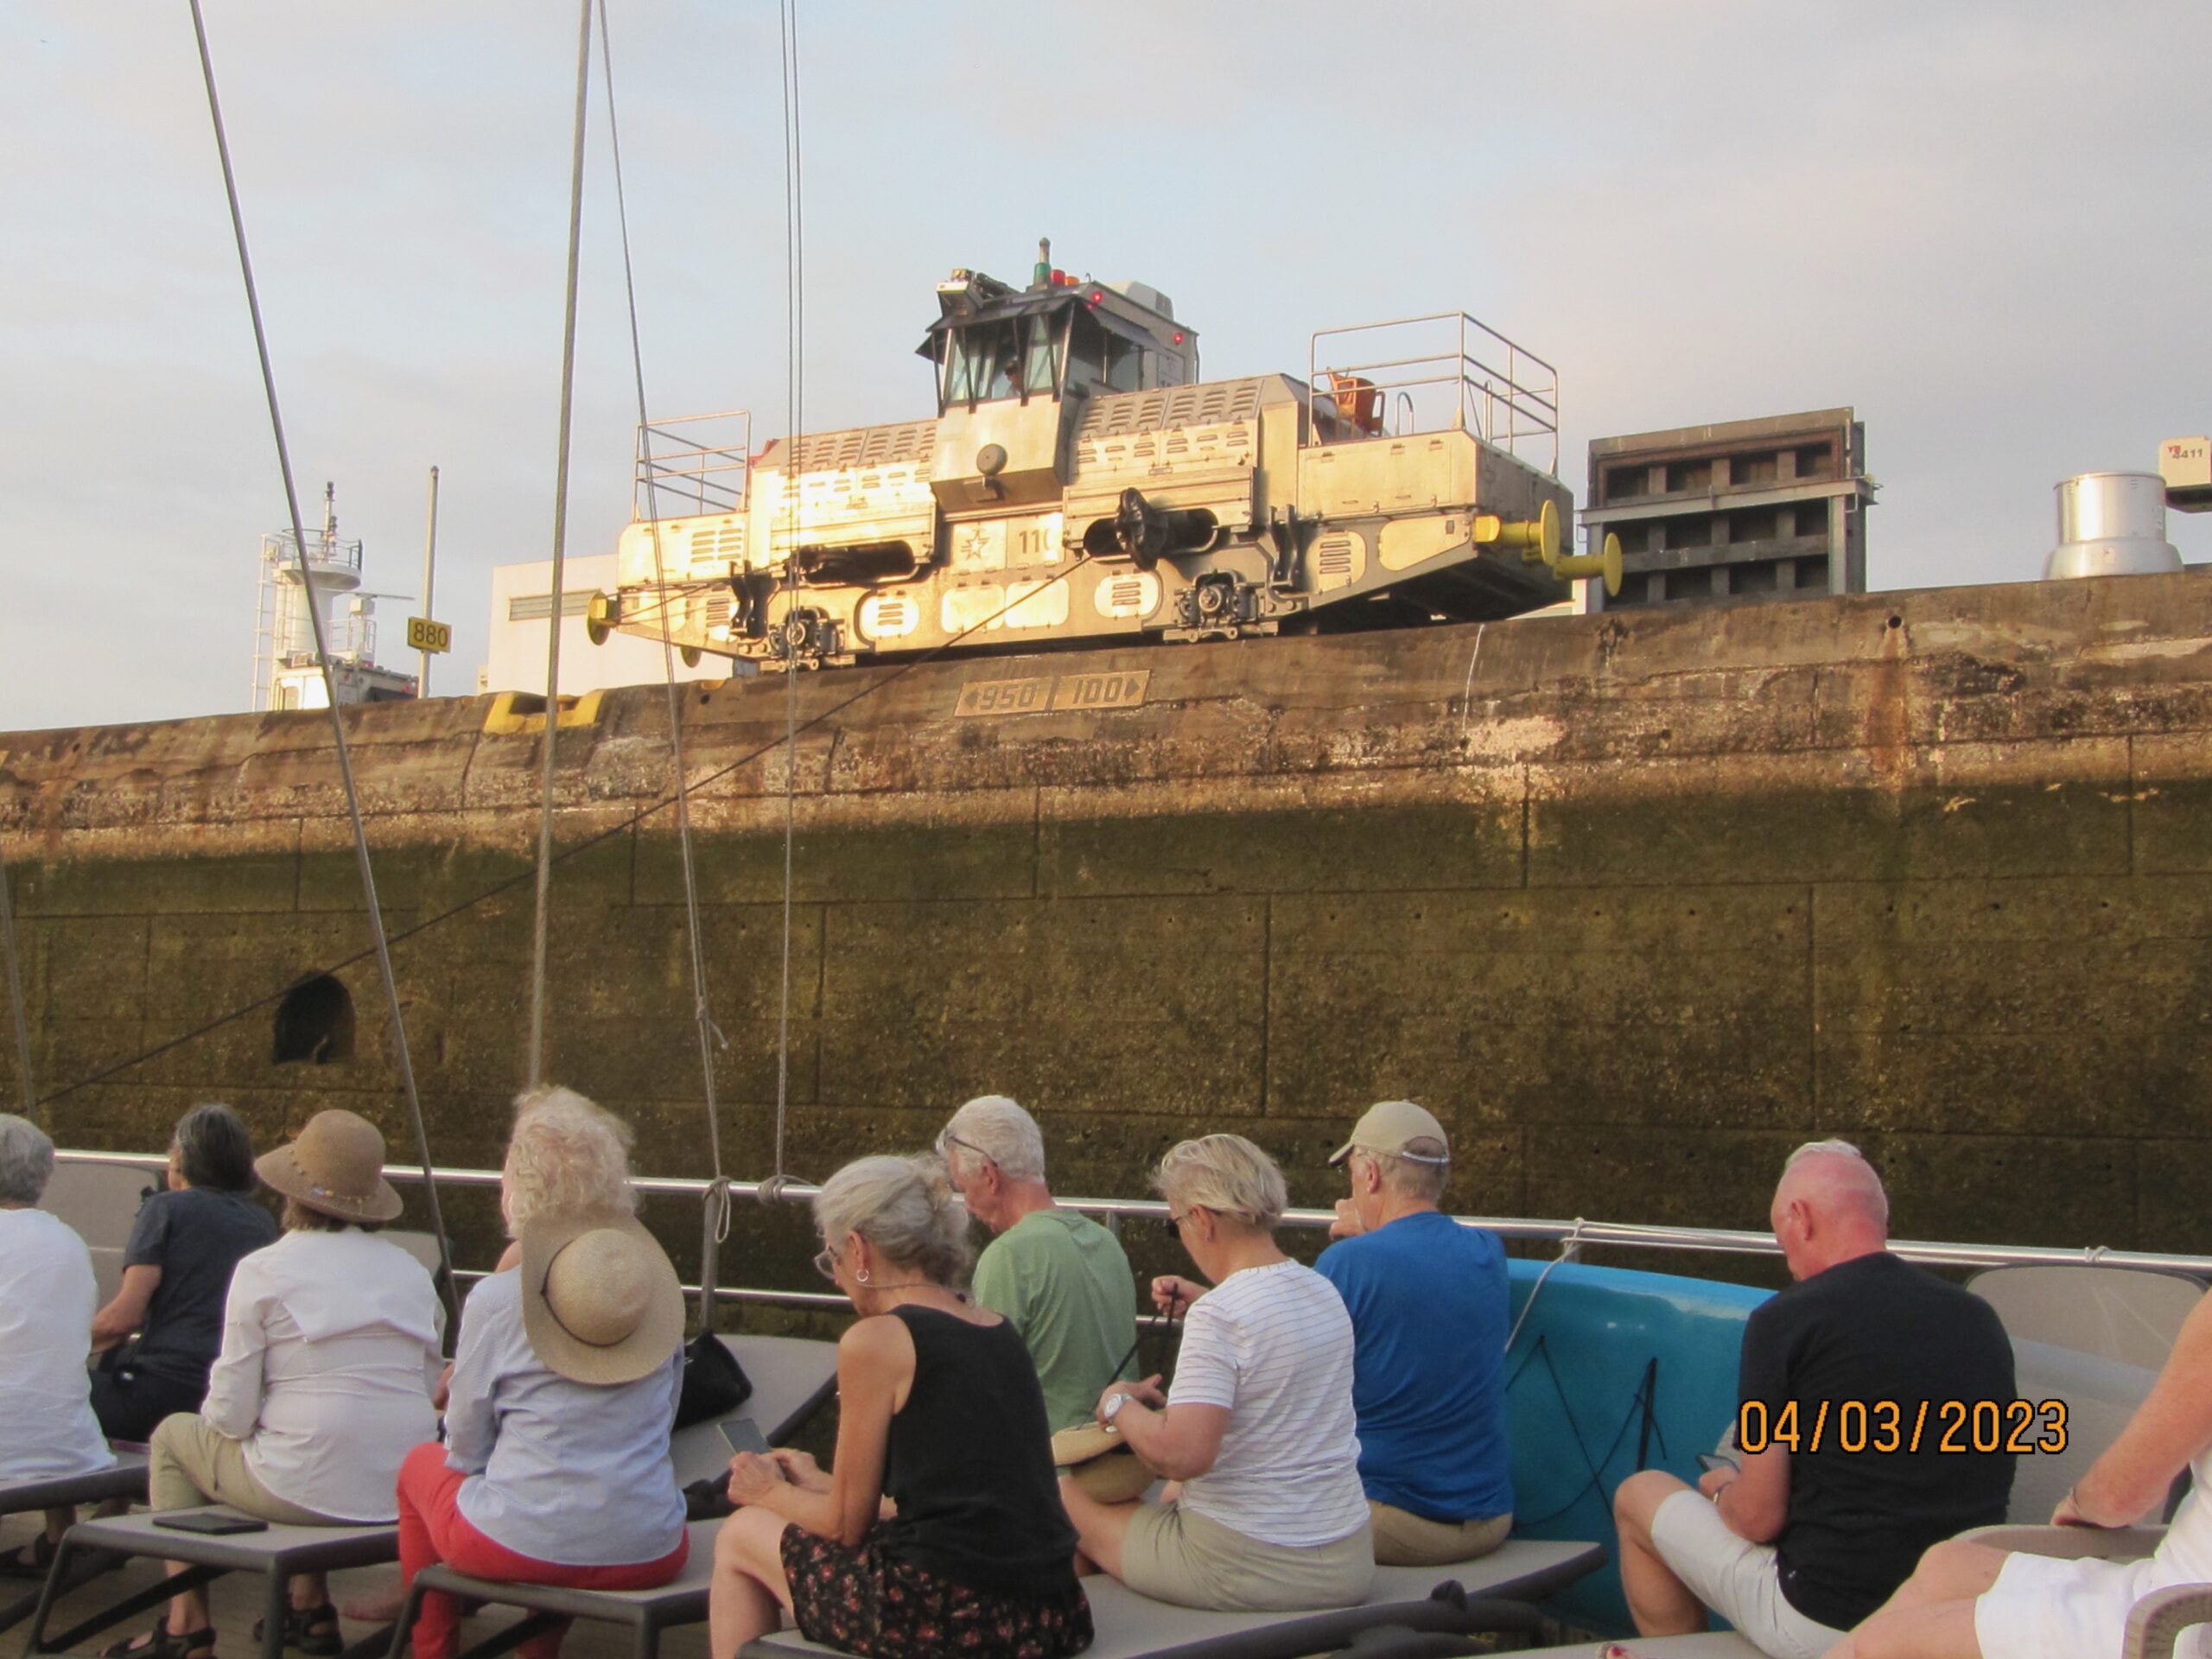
(1172,1224)
(825,1263)
(947,1138)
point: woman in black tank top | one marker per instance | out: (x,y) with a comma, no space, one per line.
(941,1530)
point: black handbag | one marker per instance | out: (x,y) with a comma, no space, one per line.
(714,1384)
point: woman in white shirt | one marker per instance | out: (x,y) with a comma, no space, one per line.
(330,1353)
(47,1299)
(1258,1429)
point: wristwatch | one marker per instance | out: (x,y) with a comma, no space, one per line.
(1112,1407)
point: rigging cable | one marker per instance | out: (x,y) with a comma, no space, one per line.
(621,826)
(15,993)
(795,386)
(539,934)
(717,1222)
(380,946)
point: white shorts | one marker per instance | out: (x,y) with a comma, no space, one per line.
(1736,1578)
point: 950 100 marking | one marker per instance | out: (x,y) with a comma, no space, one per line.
(2019,1426)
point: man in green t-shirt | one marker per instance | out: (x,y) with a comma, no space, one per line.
(1059,1277)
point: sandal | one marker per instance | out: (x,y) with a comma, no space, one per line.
(303,1635)
(13,1565)
(193,1644)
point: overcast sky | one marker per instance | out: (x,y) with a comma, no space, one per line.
(1984,226)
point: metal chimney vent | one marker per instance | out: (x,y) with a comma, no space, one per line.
(2111,524)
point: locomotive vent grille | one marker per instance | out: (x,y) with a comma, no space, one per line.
(1211,404)
(710,543)
(1337,561)
(889,616)
(867,446)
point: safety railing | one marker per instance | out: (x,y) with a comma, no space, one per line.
(693,464)
(1429,373)
(1574,1236)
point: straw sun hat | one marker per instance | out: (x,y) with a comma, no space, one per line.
(601,1301)
(1101,1464)
(335,1165)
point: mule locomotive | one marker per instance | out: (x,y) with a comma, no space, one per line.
(1081,484)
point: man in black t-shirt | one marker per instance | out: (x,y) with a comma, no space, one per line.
(1859,1390)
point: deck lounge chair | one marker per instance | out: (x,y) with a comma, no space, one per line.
(1496,1593)
(791,1377)
(2127,1315)
(125,1478)
(100,1201)
(276,1552)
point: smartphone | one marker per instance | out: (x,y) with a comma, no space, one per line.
(744,1435)
(1709,1461)
(215,1522)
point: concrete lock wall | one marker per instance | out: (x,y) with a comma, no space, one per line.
(1636,903)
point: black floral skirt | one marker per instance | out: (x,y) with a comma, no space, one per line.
(865,1602)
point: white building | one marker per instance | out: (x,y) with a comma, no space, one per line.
(522,601)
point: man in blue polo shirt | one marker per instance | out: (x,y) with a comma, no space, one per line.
(1428,1304)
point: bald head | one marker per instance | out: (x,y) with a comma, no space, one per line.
(1829,1207)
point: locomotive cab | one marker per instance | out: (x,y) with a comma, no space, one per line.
(1015,367)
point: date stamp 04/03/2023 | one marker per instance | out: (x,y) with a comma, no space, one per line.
(1885,1425)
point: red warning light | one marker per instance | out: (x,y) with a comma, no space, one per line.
(1096,294)
(1178,336)
(1059,279)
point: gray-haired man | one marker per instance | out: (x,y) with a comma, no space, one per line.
(1059,1277)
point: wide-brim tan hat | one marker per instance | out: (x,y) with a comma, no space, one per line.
(1100,1463)
(335,1166)
(601,1301)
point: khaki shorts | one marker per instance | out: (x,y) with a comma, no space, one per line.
(1736,1578)
(1173,1556)
(189,1463)
(1404,1539)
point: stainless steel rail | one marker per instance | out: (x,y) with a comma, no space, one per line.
(1573,1236)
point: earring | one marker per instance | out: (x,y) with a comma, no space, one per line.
(860,1273)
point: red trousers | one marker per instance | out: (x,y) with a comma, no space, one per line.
(432,1530)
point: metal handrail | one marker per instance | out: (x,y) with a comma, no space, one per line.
(714,477)
(1582,1234)
(1525,392)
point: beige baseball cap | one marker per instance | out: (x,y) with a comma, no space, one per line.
(1388,1126)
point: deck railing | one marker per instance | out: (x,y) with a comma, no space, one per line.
(1573,1236)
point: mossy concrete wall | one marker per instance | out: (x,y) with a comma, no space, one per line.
(1635,903)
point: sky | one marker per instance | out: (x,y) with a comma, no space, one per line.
(1984,226)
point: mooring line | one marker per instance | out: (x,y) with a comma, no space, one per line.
(380,945)
(15,993)
(539,932)
(717,1224)
(795,385)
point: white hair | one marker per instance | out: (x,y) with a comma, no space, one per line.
(1823,1148)
(996,1128)
(1227,1174)
(1419,1172)
(566,1154)
(905,1208)
(26,1159)
(1850,1180)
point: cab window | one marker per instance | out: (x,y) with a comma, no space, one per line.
(1041,371)
(1013,358)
